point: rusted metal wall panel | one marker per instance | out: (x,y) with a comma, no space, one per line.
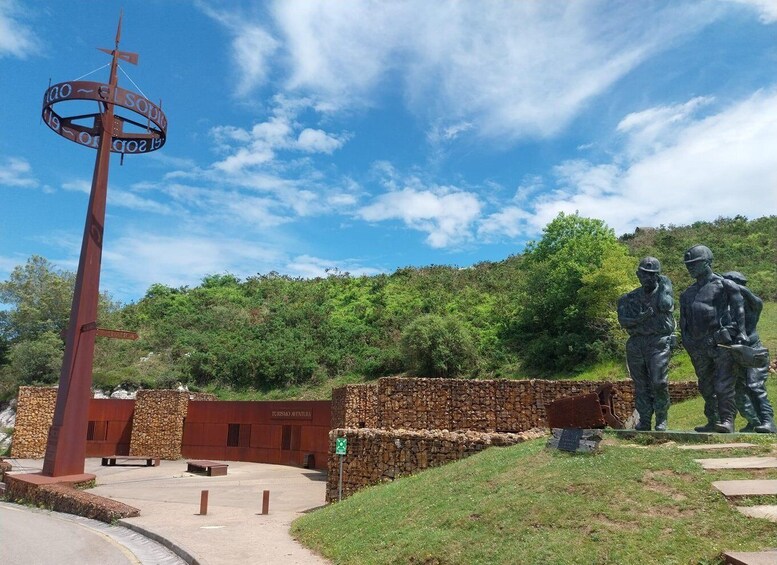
(111,409)
(261,431)
(204,452)
(110,423)
(205,434)
(314,440)
(265,436)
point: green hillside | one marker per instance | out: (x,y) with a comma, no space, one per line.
(549,312)
(628,505)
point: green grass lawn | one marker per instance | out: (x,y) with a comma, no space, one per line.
(767,326)
(629,504)
(686,415)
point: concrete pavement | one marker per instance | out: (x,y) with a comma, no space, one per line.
(233,530)
(31,536)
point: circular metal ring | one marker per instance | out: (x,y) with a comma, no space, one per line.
(121,142)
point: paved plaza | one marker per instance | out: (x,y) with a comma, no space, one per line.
(233,530)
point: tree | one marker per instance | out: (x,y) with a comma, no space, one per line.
(571,280)
(40,298)
(37,361)
(31,342)
(438,346)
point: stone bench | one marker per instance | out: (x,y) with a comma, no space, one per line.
(210,468)
(147,461)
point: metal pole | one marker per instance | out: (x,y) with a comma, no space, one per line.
(65,446)
(340,482)
(203,503)
(266,502)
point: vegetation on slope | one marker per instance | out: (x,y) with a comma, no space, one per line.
(548,312)
(629,504)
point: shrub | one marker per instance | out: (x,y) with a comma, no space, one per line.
(438,346)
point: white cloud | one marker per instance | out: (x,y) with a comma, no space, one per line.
(136,261)
(445,214)
(258,148)
(342,199)
(318,141)
(79,185)
(122,198)
(767,9)
(252,48)
(719,165)
(267,174)
(162,158)
(8,264)
(16,38)
(309,267)
(251,210)
(17,173)
(441,134)
(511,222)
(218,207)
(502,69)
(651,129)
(530,186)
(132,201)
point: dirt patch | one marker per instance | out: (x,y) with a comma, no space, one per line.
(654,481)
(668,511)
(601,522)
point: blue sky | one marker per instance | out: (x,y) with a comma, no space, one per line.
(367,136)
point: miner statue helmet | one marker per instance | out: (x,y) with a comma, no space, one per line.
(698,253)
(650,265)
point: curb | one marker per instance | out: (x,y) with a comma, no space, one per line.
(179,550)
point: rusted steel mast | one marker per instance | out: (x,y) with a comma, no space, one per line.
(66,445)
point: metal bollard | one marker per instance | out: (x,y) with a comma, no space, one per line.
(266,502)
(203,503)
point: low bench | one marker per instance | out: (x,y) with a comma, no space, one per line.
(147,461)
(210,468)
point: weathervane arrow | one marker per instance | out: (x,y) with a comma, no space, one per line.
(123,55)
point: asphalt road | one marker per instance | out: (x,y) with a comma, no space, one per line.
(29,536)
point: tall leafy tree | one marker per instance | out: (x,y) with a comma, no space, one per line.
(37,361)
(570,281)
(39,296)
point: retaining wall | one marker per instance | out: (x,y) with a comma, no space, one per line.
(374,456)
(459,404)
(399,425)
(65,498)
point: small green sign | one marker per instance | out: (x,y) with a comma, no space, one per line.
(341,444)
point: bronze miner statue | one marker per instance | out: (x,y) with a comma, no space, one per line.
(721,342)
(752,366)
(646,314)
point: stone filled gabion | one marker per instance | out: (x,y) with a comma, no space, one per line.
(34,415)
(460,404)
(412,418)
(157,425)
(374,455)
(355,406)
